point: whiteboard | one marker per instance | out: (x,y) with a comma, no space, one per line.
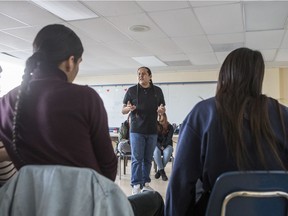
(180,98)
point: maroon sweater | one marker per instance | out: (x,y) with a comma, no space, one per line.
(61,123)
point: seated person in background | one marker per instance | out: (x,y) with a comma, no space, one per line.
(7,168)
(164,146)
(123,138)
(240,129)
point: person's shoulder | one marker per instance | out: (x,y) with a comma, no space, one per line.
(158,88)
(170,126)
(208,103)
(125,123)
(12,93)
(273,103)
(132,88)
(84,88)
(203,110)
(86,92)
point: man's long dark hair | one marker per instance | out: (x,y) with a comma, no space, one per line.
(239,96)
(52,45)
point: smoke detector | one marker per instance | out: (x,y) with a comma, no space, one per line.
(139,28)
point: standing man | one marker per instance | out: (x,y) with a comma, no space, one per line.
(145,101)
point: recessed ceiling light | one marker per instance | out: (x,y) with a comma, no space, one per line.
(151,61)
(139,28)
(67,10)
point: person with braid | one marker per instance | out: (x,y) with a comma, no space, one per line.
(47,120)
(240,129)
(145,101)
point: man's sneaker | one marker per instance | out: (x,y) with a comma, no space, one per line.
(146,187)
(157,175)
(136,189)
(163,175)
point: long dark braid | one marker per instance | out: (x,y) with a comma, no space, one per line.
(52,45)
(31,64)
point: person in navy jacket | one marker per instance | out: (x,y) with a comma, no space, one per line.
(238,129)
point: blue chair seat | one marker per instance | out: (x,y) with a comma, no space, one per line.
(253,193)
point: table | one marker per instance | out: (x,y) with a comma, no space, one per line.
(114,138)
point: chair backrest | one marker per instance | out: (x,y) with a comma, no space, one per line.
(62,190)
(251,193)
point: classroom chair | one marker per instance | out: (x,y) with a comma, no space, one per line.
(253,193)
(171,159)
(62,190)
(125,157)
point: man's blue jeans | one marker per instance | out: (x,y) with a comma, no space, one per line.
(142,148)
(162,162)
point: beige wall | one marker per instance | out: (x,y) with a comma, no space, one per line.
(271,85)
(275,82)
(157,78)
(283,76)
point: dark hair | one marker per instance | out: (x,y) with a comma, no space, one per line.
(52,45)
(148,70)
(238,97)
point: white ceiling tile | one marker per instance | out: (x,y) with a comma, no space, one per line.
(193,44)
(129,49)
(125,62)
(8,22)
(162,5)
(226,38)
(26,33)
(173,57)
(268,55)
(285,41)
(108,32)
(282,55)
(268,15)
(149,61)
(221,18)
(10,60)
(264,39)
(161,46)
(203,58)
(123,23)
(24,55)
(109,45)
(228,47)
(179,63)
(4,48)
(113,8)
(28,12)
(209,3)
(67,10)
(221,56)
(98,51)
(177,23)
(14,42)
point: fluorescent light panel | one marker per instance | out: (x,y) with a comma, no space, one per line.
(150,61)
(226,47)
(67,11)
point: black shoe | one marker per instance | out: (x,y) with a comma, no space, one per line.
(157,175)
(163,174)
